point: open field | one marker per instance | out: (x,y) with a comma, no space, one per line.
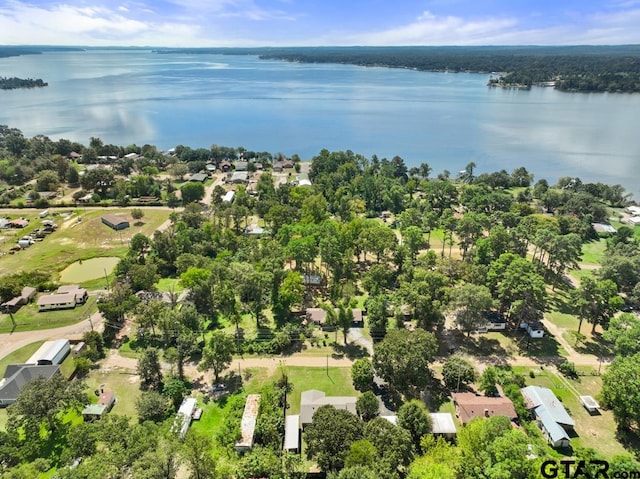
(593,252)
(80,235)
(29,319)
(125,384)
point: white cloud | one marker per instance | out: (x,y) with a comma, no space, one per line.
(428,29)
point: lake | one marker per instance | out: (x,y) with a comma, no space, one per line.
(444,119)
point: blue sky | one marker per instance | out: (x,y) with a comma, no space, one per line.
(319,22)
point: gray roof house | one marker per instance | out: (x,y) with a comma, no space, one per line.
(552,417)
(17,376)
(313,399)
(199,177)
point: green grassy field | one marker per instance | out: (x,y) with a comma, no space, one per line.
(75,240)
(29,319)
(124,384)
(593,252)
(334,382)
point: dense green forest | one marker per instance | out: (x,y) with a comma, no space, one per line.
(15,83)
(424,254)
(572,68)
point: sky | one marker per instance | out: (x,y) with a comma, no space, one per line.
(210,23)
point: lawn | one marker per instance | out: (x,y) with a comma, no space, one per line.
(333,381)
(29,319)
(594,431)
(77,239)
(124,384)
(169,285)
(593,252)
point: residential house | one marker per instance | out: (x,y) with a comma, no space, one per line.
(316,315)
(81,294)
(470,406)
(254,230)
(48,302)
(239,177)
(248,423)
(183,418)
(495,321)
(14,304)
(241,165)
(313,399)
(553,419)
(17,376)
(534,329)
(199,177)
(225,166)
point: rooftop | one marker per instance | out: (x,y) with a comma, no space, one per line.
(248,423)
(470,406)
(535,397)
(442,423)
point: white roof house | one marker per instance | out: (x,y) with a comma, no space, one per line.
(184,416)
(634,220)
(228,196)
(292,433)
(553,418)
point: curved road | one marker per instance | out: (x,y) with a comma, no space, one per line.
(10,342)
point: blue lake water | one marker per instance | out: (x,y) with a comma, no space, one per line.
(446,120)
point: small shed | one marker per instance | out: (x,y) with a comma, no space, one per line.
(115,222)
(228,196)
(442,425)
(358,322)
(292,434)
(590,404)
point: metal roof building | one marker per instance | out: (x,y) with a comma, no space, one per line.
(248,423)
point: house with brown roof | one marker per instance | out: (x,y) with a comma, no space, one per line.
(470,406)
(316,315)
(14,304)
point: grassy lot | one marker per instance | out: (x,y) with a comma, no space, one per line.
(29,319)
(593,252)
(75,240)
(124,384)
(170,284)
(335,382)
(594,431)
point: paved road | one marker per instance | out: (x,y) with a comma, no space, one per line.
(10,342)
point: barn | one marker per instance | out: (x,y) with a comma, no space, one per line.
(115,222)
